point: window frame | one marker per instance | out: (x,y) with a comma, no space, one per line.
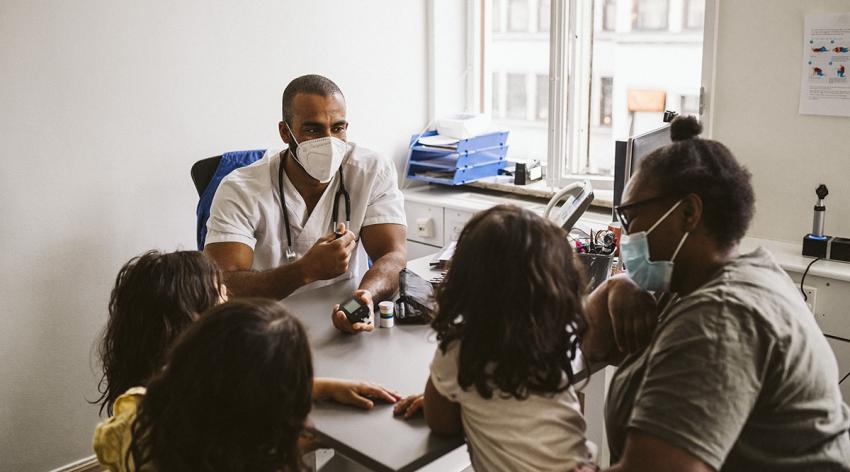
(570,72)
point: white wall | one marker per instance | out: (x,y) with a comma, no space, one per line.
(754,112)
(105,106)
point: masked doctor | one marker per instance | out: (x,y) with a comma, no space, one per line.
(309,215)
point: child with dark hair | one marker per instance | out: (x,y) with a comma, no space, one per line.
(234,397)
(155,298)
(508,317)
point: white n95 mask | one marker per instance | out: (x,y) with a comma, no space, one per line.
(320,157)
(652,276)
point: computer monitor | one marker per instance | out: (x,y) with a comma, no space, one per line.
(628,154)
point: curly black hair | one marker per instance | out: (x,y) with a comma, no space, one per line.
(708,169)
(234,396)
(512,297)
(155,298)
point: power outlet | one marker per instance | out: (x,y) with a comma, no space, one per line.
(811,297)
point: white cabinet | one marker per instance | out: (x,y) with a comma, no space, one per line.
(454,221)
(424,223)
(416,250)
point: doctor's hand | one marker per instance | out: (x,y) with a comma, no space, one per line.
(341,322)
(329,256)
(633,313)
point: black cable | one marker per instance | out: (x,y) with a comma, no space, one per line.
(283,200)
(803,279)
(844,378)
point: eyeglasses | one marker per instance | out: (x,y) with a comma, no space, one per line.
(621,210)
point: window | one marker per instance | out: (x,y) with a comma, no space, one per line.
(498,110)
(518,15)
(518,67)
(517,105)
(542,93)
(543,17)
(606,90)
(650,15)
(689,105)
(496,24)
(609,15)
(694,14)
(664,63)
(539,85)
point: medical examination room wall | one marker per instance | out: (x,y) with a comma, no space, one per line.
(105,106)
(754,111)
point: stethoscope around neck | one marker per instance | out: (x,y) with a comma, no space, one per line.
(290,253)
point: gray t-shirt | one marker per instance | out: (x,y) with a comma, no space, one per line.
(739,375)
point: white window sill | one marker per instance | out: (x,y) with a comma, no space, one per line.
(539,189)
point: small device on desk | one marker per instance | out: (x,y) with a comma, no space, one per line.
(355,310)
(526,173)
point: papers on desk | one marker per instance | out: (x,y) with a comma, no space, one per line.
(442,258)
(438,141)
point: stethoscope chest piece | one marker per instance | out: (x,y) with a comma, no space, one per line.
(290,255)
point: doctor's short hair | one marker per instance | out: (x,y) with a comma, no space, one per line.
(310,84)
(512,298)
(709,169)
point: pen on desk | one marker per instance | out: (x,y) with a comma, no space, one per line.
(402,288)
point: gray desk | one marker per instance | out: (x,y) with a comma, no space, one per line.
(397,358)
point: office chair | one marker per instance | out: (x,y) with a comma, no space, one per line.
(202,172)
(207,174)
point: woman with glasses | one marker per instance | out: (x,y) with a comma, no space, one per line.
(721,364)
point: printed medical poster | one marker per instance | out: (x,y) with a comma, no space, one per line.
(825,89)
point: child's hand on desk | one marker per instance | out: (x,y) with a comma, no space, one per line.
(410,406)
(307,440)
(358,394)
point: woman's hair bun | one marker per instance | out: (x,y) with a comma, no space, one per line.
(685,127)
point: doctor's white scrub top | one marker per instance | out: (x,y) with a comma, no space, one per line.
(246,209)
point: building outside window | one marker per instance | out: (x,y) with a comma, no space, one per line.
(650,15)
(542,97)
(606,104)
(609,15)
(517,104)
(694,14)
(518,15)
(543,18)
(516,75)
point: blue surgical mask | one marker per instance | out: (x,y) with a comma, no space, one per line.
(652,276)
